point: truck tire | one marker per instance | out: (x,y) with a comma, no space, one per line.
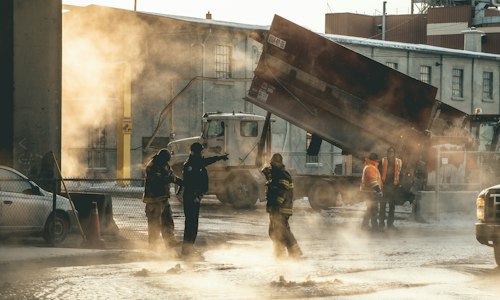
(496,250)
(322,195)
(242,191)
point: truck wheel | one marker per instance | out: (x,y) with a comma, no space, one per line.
(322,195)
(223,198)
(242,191)
(496,250)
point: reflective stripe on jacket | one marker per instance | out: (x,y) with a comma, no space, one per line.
(398,163)
(371,177)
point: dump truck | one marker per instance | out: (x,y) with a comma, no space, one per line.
(337,95)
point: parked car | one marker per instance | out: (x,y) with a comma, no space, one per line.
(27,209)
(488,216)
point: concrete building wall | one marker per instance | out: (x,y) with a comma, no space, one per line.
(36,82)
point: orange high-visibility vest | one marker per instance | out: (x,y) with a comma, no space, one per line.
(398,163)
(370,178)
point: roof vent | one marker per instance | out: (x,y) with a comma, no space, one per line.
(472,39)
(208,16)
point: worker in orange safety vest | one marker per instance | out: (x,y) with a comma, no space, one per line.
(371,187)
(390,170)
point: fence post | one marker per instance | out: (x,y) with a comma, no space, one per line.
(54,201)
(438,169)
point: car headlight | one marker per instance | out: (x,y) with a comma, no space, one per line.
(480,209)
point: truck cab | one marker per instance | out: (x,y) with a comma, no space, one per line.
(236,181)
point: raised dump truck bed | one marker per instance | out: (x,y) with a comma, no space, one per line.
(343,97)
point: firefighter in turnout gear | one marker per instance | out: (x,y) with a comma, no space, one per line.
(195,177)
(279,206)
(390,172)
(371,187)
(159,176)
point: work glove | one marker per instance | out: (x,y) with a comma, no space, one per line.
(224,157)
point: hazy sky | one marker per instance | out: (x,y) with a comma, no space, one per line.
(309,14)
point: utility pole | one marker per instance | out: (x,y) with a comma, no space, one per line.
(383,21)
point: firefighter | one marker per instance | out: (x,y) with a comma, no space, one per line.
(195,178)
(390,172)
(279,206)
(371,186)
(159,176)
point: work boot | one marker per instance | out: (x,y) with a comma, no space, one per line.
(391,227)
(172,243)
(188,252)
(279,251)
(295,252)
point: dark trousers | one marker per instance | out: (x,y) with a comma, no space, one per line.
(280,232)
(390,194)
(160,220)
(371,210)
(191,204)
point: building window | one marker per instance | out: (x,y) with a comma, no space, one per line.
(488,86)
(223,58)
(310,158)
(425,74)
(97,148)
(457,83)
(392,65)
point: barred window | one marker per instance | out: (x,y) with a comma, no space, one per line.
(487,85)
(457,83)
(223,58)
(97,147)
(425,74)
(392,65)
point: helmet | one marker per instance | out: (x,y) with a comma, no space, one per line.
(196,147)
(277,158)
(163,155)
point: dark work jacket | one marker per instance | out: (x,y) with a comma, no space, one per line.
(280,191)
(158,178)
(195,175)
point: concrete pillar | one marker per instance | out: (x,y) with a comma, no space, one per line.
(36,55)
(6,82)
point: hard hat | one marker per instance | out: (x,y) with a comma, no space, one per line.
(163,155)
(277,158)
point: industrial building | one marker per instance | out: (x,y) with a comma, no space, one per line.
(132,82)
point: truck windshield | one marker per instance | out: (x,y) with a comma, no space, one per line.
(215,128)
